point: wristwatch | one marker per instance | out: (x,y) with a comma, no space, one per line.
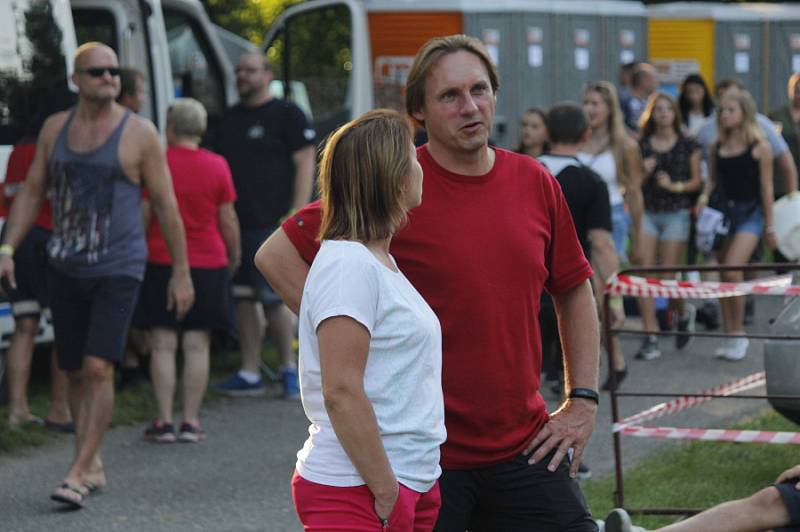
(584,393)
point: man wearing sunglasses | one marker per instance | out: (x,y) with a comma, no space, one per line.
(92,161)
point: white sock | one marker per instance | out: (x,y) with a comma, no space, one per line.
(249,376)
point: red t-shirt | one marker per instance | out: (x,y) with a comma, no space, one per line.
(19,162)
(202,182)
(480,249)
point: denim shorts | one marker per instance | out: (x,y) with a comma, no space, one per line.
(620,223)
(90,316)
(745,217)
(673,226)
(249,283)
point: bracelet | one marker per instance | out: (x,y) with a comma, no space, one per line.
(679,187)
(702,199)
(584,393)
(7,249)
(615,303)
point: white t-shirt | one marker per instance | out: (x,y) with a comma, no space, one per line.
(604,165)
(403,375)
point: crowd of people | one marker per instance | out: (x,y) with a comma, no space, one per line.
(405,326)
(664,161)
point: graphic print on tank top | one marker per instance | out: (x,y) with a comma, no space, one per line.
(83,197)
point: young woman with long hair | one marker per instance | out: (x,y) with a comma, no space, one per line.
(740,176)
(672,172)
(533,133)
(614,155)
(695,103)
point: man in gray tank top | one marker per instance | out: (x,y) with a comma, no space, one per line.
(93,161)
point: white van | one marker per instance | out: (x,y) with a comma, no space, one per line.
(171,41)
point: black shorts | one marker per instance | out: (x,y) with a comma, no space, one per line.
(213,304)
(248,283)
(513,497)
(791,498)
(91,316)
(30,298)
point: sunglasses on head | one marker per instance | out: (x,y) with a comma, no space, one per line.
(98,72)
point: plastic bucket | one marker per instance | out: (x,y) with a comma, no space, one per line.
(786,212)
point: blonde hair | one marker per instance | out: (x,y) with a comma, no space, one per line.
(362,177)
(188,117)
(617,134)
(750,129)
(647,124)
(77,57)
(430,54)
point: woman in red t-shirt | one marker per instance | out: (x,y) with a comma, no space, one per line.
(205,193)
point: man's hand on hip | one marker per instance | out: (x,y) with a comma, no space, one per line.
(569,427)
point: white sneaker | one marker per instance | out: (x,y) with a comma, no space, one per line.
(724,348)
(738,349)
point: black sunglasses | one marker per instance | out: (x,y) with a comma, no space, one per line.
(98,72)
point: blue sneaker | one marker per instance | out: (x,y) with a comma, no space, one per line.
(290,383)
(236,386)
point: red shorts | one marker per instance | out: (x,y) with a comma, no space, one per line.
(324,508)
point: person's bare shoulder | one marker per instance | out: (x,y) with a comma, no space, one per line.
(52,126)
(762,149)
(142,128)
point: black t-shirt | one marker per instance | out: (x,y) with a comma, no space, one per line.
(677,164)
(258,144)
(586,195)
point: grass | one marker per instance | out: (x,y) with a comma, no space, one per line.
(698,474)
(130,406)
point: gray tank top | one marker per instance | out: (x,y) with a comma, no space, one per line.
(97,225)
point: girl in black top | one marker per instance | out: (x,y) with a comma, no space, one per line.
(740,172)
(672,172)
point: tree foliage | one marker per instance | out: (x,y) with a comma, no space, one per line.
(250,19)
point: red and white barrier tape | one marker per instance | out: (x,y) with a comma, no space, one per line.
(684,402)
(744,436)
(630,285)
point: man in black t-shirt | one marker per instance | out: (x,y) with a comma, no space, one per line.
(587,198)
(269,146)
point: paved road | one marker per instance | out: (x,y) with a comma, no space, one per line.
(238,479)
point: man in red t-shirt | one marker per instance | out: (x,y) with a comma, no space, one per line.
(492,232)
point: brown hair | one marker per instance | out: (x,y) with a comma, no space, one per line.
(362,175)
(647,123)
(430,54)
(750,128)
(617,134)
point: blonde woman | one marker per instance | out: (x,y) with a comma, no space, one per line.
(672,174)
(614,156)
(740,177)
(370,346)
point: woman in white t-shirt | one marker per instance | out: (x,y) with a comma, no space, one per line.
(370,346)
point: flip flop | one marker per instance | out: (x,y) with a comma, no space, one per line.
(90,486)
(72,503)
(68,427)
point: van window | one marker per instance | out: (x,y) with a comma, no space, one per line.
(33,75)
(95,25)
(195,71)
(314,55)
